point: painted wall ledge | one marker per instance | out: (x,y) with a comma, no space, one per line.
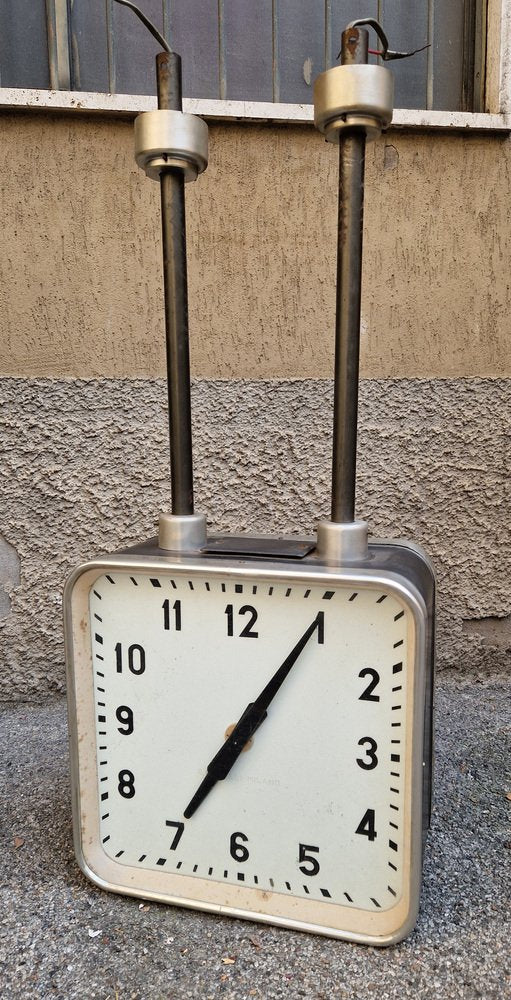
(128,105)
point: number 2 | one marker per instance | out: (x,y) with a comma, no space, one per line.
(368,695)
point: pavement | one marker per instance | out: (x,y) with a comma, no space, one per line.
(61,937)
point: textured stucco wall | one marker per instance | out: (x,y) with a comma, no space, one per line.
(81,352)
(80,289)
(85,471)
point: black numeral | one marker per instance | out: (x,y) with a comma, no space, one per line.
(366,825)
(238,850)
(136,658)
(368,695)
(247,630)
(178,834)
(124,715)
(126,786)
(305,855)
(370,752)
(321,627)
(176,607)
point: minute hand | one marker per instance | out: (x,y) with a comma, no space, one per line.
(254,714)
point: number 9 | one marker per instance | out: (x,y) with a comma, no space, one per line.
(124,715)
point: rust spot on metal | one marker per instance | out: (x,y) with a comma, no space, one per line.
(354,44)
(352,40)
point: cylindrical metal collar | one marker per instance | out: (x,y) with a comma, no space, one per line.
(353,96)
(171,139)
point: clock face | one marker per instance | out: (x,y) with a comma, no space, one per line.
(316,809)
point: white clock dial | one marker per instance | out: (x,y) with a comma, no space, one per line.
(317,804)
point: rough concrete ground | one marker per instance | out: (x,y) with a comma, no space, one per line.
(62,937)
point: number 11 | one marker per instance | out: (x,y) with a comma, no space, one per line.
(176,607)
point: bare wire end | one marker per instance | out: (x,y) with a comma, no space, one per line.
(386,54)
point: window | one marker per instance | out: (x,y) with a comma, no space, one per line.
(239,50)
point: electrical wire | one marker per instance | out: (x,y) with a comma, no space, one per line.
(386,54)
(145,20)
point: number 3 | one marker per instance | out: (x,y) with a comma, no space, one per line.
(370,752)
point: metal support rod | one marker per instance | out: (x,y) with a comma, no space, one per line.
(349,279)
(168,71)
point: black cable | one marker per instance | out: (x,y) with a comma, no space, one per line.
(145,20)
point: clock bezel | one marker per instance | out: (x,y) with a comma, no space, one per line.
(362,926)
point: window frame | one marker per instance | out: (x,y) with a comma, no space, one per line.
(496,117)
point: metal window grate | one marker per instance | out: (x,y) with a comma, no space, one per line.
(240,50)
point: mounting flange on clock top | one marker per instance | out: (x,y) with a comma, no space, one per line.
(250,718)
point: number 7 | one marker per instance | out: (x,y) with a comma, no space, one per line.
(178,834)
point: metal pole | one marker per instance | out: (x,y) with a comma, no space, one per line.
(349,278)
(168,72)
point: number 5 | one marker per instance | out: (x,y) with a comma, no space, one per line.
(304,856)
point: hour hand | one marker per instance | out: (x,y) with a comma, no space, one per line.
(254,714)
(219,767)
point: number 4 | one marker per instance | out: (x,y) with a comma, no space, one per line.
(366,825)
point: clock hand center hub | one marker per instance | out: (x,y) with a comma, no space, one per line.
(230,729)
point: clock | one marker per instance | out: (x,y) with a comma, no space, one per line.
(251,717)
(314,817)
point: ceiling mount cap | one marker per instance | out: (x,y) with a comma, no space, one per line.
(353,96)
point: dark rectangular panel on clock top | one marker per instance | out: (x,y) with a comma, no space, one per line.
(24,45)
(88,27)
(135,49)
(406,27)
(299,48)
(246,50)
(193,32)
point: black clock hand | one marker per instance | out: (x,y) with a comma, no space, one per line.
(252,717)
